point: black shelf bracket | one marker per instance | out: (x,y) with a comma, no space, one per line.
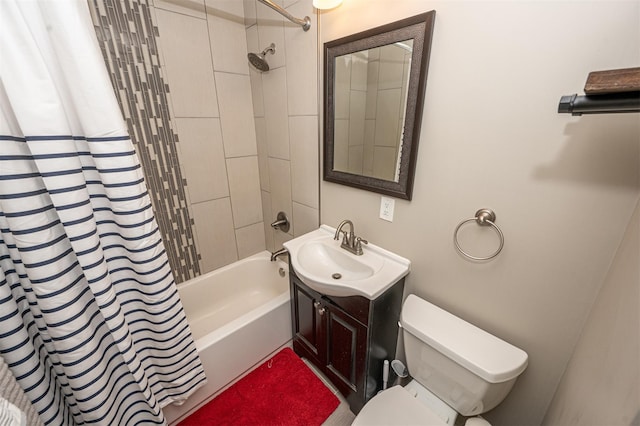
(600,104)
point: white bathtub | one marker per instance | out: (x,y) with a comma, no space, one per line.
(238,314)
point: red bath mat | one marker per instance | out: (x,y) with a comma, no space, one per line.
(282,391)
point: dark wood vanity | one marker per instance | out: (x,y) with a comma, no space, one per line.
(347,338)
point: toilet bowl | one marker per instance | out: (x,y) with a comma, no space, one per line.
(397,406)
(457,369)
(410,405)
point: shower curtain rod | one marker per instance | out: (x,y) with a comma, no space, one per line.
(304,23)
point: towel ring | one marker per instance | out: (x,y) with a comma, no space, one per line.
(484,217)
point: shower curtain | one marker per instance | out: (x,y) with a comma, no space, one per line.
(91,324)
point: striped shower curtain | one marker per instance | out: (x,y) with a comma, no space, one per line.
(91,324)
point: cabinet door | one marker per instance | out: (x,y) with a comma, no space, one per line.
(346,352)
(309,330)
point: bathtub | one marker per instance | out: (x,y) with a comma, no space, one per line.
(239,315)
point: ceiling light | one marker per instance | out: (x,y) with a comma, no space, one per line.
(326,4)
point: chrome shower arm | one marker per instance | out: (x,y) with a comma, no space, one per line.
(304,23)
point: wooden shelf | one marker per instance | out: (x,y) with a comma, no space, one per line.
(606,92)
(613,81)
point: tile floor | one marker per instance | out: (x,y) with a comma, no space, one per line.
(342,416)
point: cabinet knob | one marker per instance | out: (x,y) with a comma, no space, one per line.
(317,304)
(321,310)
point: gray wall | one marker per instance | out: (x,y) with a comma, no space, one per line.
(564,188)
(602,382)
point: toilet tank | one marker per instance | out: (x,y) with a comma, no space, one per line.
(468,368)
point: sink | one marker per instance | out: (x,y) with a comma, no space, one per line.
(320,263)
(319,258)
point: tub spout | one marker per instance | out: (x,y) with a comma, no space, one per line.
(277,253)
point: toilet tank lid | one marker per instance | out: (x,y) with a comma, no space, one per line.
(482,353)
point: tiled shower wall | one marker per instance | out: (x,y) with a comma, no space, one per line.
(262,128)
(285,104)
(204,56)
(129,43)
(246,143)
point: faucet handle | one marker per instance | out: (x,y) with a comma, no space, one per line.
(361,240)
(358,244)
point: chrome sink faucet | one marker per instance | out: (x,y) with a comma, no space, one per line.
(350,242)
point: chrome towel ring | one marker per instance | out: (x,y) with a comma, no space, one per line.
(484,217)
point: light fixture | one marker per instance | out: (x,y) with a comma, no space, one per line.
(326,4)
(305,23)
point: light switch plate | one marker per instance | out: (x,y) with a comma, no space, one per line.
(386,208)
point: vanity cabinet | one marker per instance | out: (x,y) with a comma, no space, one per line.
(346,338)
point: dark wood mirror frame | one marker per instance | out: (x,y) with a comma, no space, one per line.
(420,29)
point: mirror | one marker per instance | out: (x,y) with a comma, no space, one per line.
(374,92)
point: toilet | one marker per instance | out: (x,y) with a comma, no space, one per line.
(457,369)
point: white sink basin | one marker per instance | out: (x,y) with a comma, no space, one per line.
(321,264)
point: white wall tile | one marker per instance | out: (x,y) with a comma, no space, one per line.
(391,67)
(244,185)
(202,156)
(251,240)
(253,45)
(268,219)
(356,154)
(276,112)
(304,160)
(257,92)
(341,145)
(280,177)
(227,35)
(359,71)
(372,89)
(238,129)
(286,110)
(302,62)
(250,17)
(305,219)
(280,237)
(184,42)
(193,8)
(263,155)
(405,79)
(342,84)
(255,75)
(384,162)
(216,236)
(388,117)
(356,117)
(367,155)
(271,30)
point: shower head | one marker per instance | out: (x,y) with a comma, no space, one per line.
(258,59)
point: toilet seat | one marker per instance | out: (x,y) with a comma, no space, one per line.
(396,406)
